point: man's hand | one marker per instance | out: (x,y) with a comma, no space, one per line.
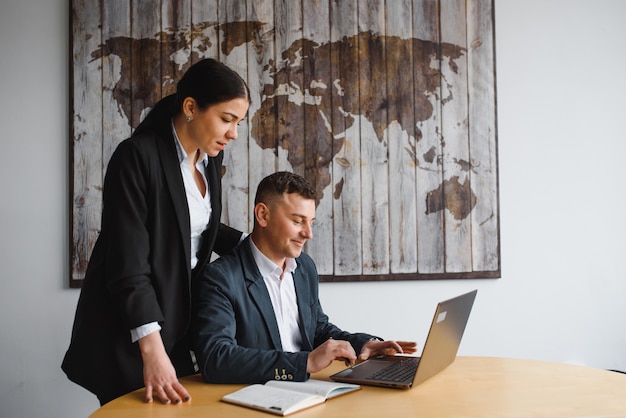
(323,356)
(374,348)
(159,374)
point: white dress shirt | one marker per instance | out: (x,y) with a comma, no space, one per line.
(199,216)
(283,295)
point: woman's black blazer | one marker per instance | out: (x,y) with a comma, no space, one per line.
(139,271)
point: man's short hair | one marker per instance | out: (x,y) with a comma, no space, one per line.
(283,182)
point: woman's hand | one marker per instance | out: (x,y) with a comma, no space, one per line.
(159,374)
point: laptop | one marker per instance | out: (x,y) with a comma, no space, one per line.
(440,349)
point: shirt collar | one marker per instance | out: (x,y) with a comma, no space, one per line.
(267,267)
(180,151)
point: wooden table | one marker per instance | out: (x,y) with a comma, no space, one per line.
(470,387)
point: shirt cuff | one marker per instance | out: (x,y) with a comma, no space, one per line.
(143,330)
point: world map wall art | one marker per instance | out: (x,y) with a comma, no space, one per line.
(387,107)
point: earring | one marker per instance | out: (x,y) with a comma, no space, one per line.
(188,118)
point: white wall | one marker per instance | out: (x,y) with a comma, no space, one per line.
(561,91)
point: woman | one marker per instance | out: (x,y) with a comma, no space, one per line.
(160,223)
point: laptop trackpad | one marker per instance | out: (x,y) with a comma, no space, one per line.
(364,369)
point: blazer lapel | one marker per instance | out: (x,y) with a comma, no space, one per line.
(212,173)
(174,179)
(259,294)
(303,296)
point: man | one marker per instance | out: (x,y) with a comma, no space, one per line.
(257,316)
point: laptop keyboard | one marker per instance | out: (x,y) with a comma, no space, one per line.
(398,371)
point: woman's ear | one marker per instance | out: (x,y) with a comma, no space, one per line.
(189,107)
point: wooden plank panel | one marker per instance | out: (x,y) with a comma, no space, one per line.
(401,118)
(374,160)
(288,82)
(145,70)
(261,52)
(233,52)
(174,36)
(346,165)
(116,36)
(456,187)
(317,138)
(483,142)
(86,101)
(428,147)
(204,35)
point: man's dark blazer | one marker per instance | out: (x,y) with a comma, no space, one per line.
(234,330)
(139,271)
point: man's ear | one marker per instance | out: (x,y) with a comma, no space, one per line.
(261,214)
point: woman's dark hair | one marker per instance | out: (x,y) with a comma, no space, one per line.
(282,182)
(210,82)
